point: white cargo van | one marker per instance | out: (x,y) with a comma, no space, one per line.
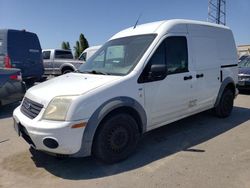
(88,52)
(141,79)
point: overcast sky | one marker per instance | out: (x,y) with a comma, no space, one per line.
(55,21)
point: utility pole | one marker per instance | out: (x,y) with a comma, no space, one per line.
(217,11)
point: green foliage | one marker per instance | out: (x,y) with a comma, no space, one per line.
(77,49)
(81,45)
(65,46)
(68,46)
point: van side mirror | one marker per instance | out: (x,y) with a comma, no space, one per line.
(157,72)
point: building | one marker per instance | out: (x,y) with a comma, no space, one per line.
(243,50)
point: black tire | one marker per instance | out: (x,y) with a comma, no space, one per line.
(116,138)
(225,106)
(65,71)
(29,82)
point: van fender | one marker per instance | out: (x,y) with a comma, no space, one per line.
(224,84)
(100,114)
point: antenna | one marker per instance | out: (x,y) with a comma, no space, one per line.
(137,21)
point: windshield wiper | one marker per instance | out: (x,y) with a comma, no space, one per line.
(95,72)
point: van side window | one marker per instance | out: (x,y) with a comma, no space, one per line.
(173,53)
(46,55)
(158,57)
(176,55)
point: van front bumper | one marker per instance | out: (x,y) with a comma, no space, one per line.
(55,137)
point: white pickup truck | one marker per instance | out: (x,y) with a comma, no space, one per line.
(57,61)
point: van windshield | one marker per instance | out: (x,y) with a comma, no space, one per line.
(118,56)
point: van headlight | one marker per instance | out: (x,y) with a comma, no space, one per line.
(58,108)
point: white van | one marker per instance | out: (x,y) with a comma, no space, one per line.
(141,79)
(88,52)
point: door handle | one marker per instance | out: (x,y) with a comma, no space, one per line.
(188,77)
(199,75)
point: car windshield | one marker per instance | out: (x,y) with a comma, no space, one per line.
(118,56)
(245,62)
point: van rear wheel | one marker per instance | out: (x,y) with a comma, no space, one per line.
(225,106)
(116,139)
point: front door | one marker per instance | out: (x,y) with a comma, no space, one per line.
(170,97)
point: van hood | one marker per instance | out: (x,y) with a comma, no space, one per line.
(68,84)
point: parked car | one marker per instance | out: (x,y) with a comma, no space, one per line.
(87,53)
(144,77)
(244,74)
(57,62)
(12,88)
(243,57)
(22,50)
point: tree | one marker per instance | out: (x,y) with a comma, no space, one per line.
(81,45)
(65,45)
(77,49)
(68,46)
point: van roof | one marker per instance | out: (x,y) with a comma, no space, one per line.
(15,30)
(163,27)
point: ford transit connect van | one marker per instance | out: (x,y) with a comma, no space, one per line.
(21,49)
(141,79)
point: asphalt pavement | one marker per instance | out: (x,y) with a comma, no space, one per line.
(199,151)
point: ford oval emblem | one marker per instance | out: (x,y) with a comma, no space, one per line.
(28,106)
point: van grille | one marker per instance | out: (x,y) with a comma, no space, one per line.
(30,108)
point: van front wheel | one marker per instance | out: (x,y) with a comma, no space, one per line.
(225,106)
(116,139)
